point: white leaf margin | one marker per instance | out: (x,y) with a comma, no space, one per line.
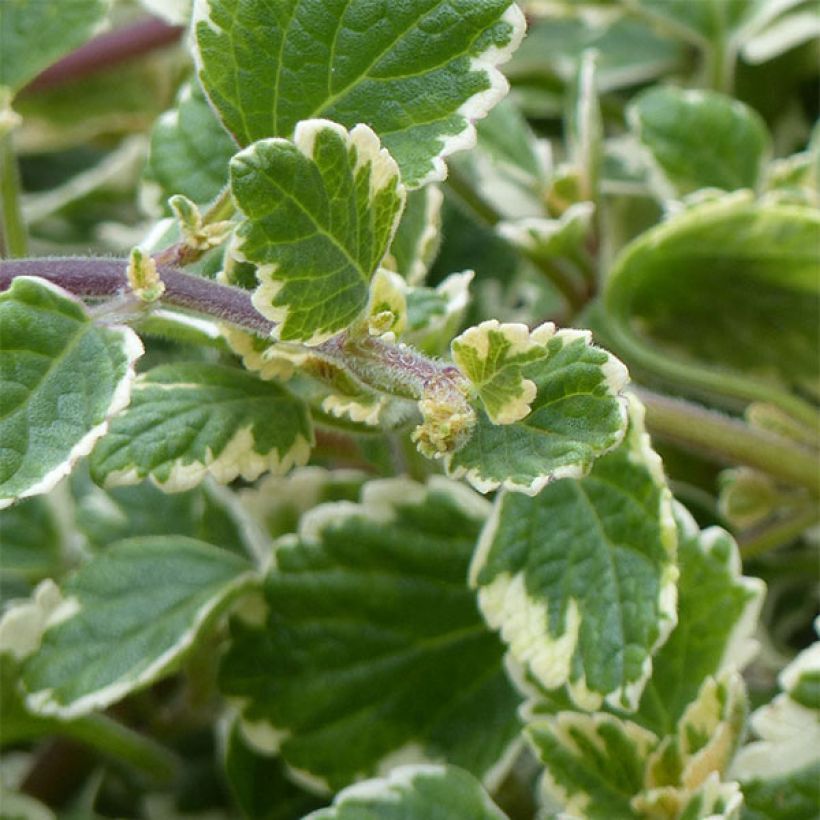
(789,732)
(478,106)
(384,170)
(616,378)
(522,621)
(120,398)
(43,702)
(390,789)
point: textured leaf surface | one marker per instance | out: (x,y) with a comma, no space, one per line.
(580,579)
(36,33)
(190,149)
(61,379)
(715,282)
(595,763)
(717,615)
(99,645)
(374,652)
(189,420)
(415,793)
(416,71)
(701,139)
(600,766)
(576,416)
(321,212)
(492,356)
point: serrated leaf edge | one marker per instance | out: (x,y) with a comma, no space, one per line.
(238,458)
(383,171)
(478,106)
(562,726)
(132,348)
(616,377)
(530,644)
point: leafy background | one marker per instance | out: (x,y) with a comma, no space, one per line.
(652,177)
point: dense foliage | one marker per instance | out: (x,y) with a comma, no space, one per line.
(375,443)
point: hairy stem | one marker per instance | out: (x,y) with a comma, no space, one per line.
(729,440)
(13,227)
(389,368)
(93,278)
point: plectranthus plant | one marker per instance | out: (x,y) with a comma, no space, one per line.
(409,409)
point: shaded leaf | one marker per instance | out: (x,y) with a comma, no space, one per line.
(374,652)
(99,646)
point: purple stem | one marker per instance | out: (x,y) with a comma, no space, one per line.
(93,278)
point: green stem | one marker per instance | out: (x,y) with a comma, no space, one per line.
(14,229)
(115,739)
(729,440)
(713,382)
(779,534)
(574,295)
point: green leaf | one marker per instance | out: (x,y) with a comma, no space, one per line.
(61,379)
(209,513)
(260,784)
(576,416)
(788,728)
(790,797)
(374,652)
(191,419)
(21,629)
(30,541)
(422,792)
(710,285)
(685,773)
(580,579)
(630,53)
(558,242)
(36,33)
(701,139)
(492,357)
(600,766)
(417,73)
(717,615)
(99,645)
(417,238)
(434,314)
(190,150)
(321,212)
